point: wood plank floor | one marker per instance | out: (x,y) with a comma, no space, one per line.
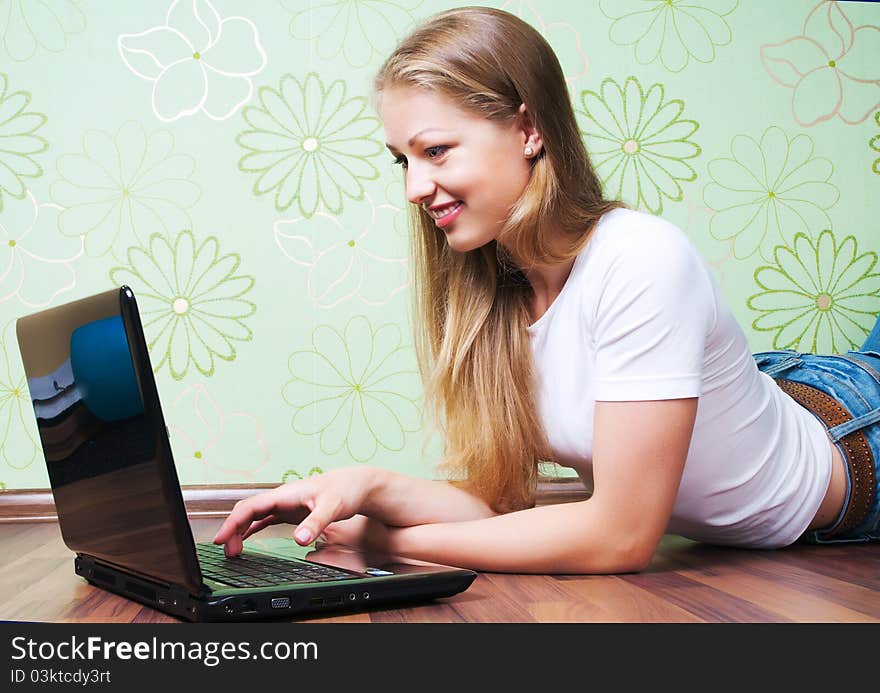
(686,582)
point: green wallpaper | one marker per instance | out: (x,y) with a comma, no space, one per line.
(222,159)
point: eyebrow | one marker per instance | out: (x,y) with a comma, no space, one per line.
(417,135)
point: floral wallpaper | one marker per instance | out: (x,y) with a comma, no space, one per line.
(222,159)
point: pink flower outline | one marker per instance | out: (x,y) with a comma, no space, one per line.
(806,61)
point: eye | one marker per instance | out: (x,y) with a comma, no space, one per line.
(434,152)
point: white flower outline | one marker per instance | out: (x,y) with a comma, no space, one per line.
(215,424)
(19,255)
(198,54)
(554,32)
(308,248)
(819,56)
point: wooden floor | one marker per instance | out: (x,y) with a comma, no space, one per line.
(687,582)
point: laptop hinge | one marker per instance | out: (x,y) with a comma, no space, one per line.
(85,566)
(179,594)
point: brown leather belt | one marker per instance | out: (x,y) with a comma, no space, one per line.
(856,452)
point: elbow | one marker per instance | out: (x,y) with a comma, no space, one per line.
(637,563)
(637,556)
(631,556)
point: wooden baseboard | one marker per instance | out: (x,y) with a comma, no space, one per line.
(38,505)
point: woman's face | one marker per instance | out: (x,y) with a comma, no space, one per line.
(465,170)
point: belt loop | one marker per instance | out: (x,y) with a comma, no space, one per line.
(783,365)
(837,432)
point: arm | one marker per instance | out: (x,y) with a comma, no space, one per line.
(313,503)
(639,452)
(399,500)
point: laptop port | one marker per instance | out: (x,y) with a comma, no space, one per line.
(281,603)
(316,601)
(335,600)
(248,607)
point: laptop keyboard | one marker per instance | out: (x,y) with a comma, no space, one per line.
(252,570)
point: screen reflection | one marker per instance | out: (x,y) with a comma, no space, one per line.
(104,454)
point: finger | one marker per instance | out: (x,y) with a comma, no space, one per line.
(233,546)
(258,525)
(245,512)
(316,522)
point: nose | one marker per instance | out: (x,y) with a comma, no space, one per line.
(420,185)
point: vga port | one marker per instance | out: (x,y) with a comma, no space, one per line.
(280,602)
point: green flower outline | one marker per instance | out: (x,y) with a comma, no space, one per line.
(874,143)
(348,389)
(18,141)
(309,143)
(123,186)
(328,24)
(778,187)
(16,410)
(293,475)
(672,30)
(815,293)
(23,27)
(637,142)
(186,294)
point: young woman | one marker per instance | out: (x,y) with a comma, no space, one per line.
(553,324)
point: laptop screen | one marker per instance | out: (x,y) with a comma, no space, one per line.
(107,456)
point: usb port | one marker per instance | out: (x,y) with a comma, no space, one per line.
(316,601)
(335,600)
(280,602)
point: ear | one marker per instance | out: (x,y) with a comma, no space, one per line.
(531,136)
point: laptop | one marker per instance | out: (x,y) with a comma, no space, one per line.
(119,502)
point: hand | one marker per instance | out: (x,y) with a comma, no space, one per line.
(359,532)
(312,503)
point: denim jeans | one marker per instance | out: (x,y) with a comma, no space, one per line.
(853,381)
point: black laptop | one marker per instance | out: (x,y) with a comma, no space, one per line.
(119,502)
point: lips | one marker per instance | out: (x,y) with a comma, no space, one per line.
(438,213)
(444,216)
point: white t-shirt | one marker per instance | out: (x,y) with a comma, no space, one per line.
(640,318)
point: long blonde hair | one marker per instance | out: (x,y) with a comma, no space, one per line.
(471,309)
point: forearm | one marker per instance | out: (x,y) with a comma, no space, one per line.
(564,538)
(399,500)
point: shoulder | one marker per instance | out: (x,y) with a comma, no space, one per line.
(631,246)
(633,234)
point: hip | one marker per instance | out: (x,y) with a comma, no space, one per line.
(843,392)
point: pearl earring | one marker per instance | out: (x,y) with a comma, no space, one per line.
(528,151)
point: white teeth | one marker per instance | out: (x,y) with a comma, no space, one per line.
(443,211)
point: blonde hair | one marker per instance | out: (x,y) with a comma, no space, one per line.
(471,309)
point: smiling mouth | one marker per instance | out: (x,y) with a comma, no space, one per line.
(441,212)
